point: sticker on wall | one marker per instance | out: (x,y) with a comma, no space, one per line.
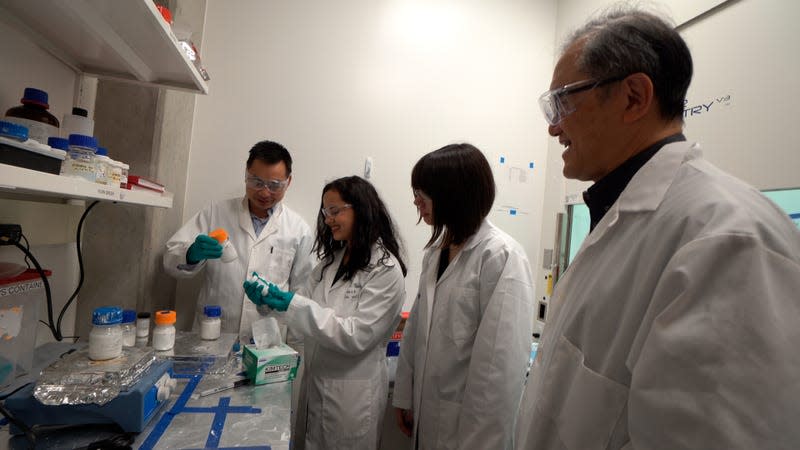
(511,211)
(706,106)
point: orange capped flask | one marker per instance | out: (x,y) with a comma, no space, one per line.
(228,251)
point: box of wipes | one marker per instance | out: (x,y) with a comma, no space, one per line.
(270,365)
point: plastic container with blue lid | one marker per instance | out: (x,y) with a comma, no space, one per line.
(31,155)
(211,323)
(13,131)
(81,162)
(105,339)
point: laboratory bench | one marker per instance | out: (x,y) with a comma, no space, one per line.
(193,416)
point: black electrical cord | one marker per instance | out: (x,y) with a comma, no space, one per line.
(29,434)
(49,323)
(80,265)
(28,246)
(55,327)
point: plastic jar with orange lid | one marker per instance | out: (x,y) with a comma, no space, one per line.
(164,332)
(228,251)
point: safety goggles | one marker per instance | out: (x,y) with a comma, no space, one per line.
(274,186)
(556,106)
(333,210)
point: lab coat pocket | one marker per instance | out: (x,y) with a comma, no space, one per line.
(280,266)
(346,410)
(585,405)
(447,426)
(464,311)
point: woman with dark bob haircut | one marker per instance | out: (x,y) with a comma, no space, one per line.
(346,314)
(467,341)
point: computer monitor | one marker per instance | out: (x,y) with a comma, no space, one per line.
(578,219)
(789,201)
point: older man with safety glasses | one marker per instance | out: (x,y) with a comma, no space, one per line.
(269,238)
(683,299)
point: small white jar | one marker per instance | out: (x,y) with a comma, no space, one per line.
(123,176)
(143,325)
(105,339)
(128,328)
(164,332)
(211,324)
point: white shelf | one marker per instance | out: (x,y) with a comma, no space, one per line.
(125,40)
(25,181)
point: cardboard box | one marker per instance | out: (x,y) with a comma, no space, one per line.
(270,365)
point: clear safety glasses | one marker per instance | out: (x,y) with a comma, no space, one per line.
(333,210)
(274,186)
(556,106)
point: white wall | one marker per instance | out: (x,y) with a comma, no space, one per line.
(339,81)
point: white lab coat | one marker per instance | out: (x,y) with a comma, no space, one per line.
(466,345)
(676,326)
(281,252)
(346,328)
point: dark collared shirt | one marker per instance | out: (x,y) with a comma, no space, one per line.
(601,195)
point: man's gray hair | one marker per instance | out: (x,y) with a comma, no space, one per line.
(623,40)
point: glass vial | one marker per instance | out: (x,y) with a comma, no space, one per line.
(164,332)
(211,324)
(105,339)
(80,162)
(143,325)
(128,328)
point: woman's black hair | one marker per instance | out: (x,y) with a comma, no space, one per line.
(372,224)
(459,180)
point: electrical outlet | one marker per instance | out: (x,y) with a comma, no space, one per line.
(10,234)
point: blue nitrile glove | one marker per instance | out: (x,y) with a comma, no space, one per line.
(204,247)
(253,291)
(277,299)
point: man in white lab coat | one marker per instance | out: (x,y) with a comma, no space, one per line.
(676,326)
(269,238)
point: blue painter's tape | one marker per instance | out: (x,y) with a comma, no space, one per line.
(215,433)
(166,419)
(256,447)
(502,159)
(513,212)
(530,165)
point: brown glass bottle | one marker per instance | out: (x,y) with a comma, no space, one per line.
(33,114)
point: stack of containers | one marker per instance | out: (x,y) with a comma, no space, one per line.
(85,159)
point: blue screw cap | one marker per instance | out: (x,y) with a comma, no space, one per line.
(107,315)
(35,96)
(13,131)
(212,310)
(59,143)
(80,140)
